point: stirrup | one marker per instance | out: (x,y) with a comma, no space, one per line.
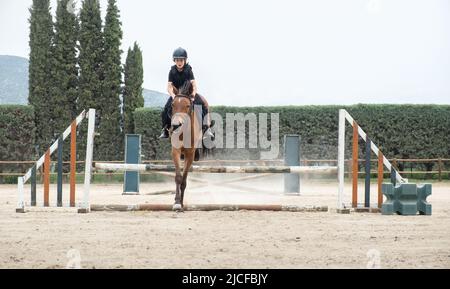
(209,134)
(164,134)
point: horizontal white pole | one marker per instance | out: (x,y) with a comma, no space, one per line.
(218,169)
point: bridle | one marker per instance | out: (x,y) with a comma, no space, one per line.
(191,101)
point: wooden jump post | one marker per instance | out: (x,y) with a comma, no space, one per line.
(370,147)
(45,161)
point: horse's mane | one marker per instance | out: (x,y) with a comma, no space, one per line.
(186,88)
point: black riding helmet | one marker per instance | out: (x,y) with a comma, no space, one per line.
(180,53)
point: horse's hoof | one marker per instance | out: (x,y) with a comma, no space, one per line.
(177,208)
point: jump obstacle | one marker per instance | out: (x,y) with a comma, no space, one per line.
(369,147)
(45,161)
(290,172)
(85,206)
(133,155)
(342,207)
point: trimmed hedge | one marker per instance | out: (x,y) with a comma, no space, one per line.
(401,131)
(17,136)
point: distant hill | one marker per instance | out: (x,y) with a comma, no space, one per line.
(13,80)
(14,84)
(154,98)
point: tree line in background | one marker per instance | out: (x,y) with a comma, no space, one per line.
(75,64)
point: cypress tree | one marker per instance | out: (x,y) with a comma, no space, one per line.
(132,92)
(41,36)
(90,61)
(111,137)
(65,70)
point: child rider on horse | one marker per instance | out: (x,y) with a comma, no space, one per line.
(178,75)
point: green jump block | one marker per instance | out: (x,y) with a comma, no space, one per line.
(406,199)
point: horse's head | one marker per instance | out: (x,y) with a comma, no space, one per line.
(182,105)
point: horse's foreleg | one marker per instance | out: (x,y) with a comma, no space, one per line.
(183,187)
(178,180)
(187,166)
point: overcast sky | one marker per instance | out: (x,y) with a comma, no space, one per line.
(281,52)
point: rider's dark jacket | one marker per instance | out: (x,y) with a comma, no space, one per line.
(178,78)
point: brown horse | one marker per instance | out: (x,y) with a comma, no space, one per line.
(184,118)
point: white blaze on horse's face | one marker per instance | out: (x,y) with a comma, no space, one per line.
(180,111)
(179,119)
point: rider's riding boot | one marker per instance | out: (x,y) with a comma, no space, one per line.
(208,133)
(164,133)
